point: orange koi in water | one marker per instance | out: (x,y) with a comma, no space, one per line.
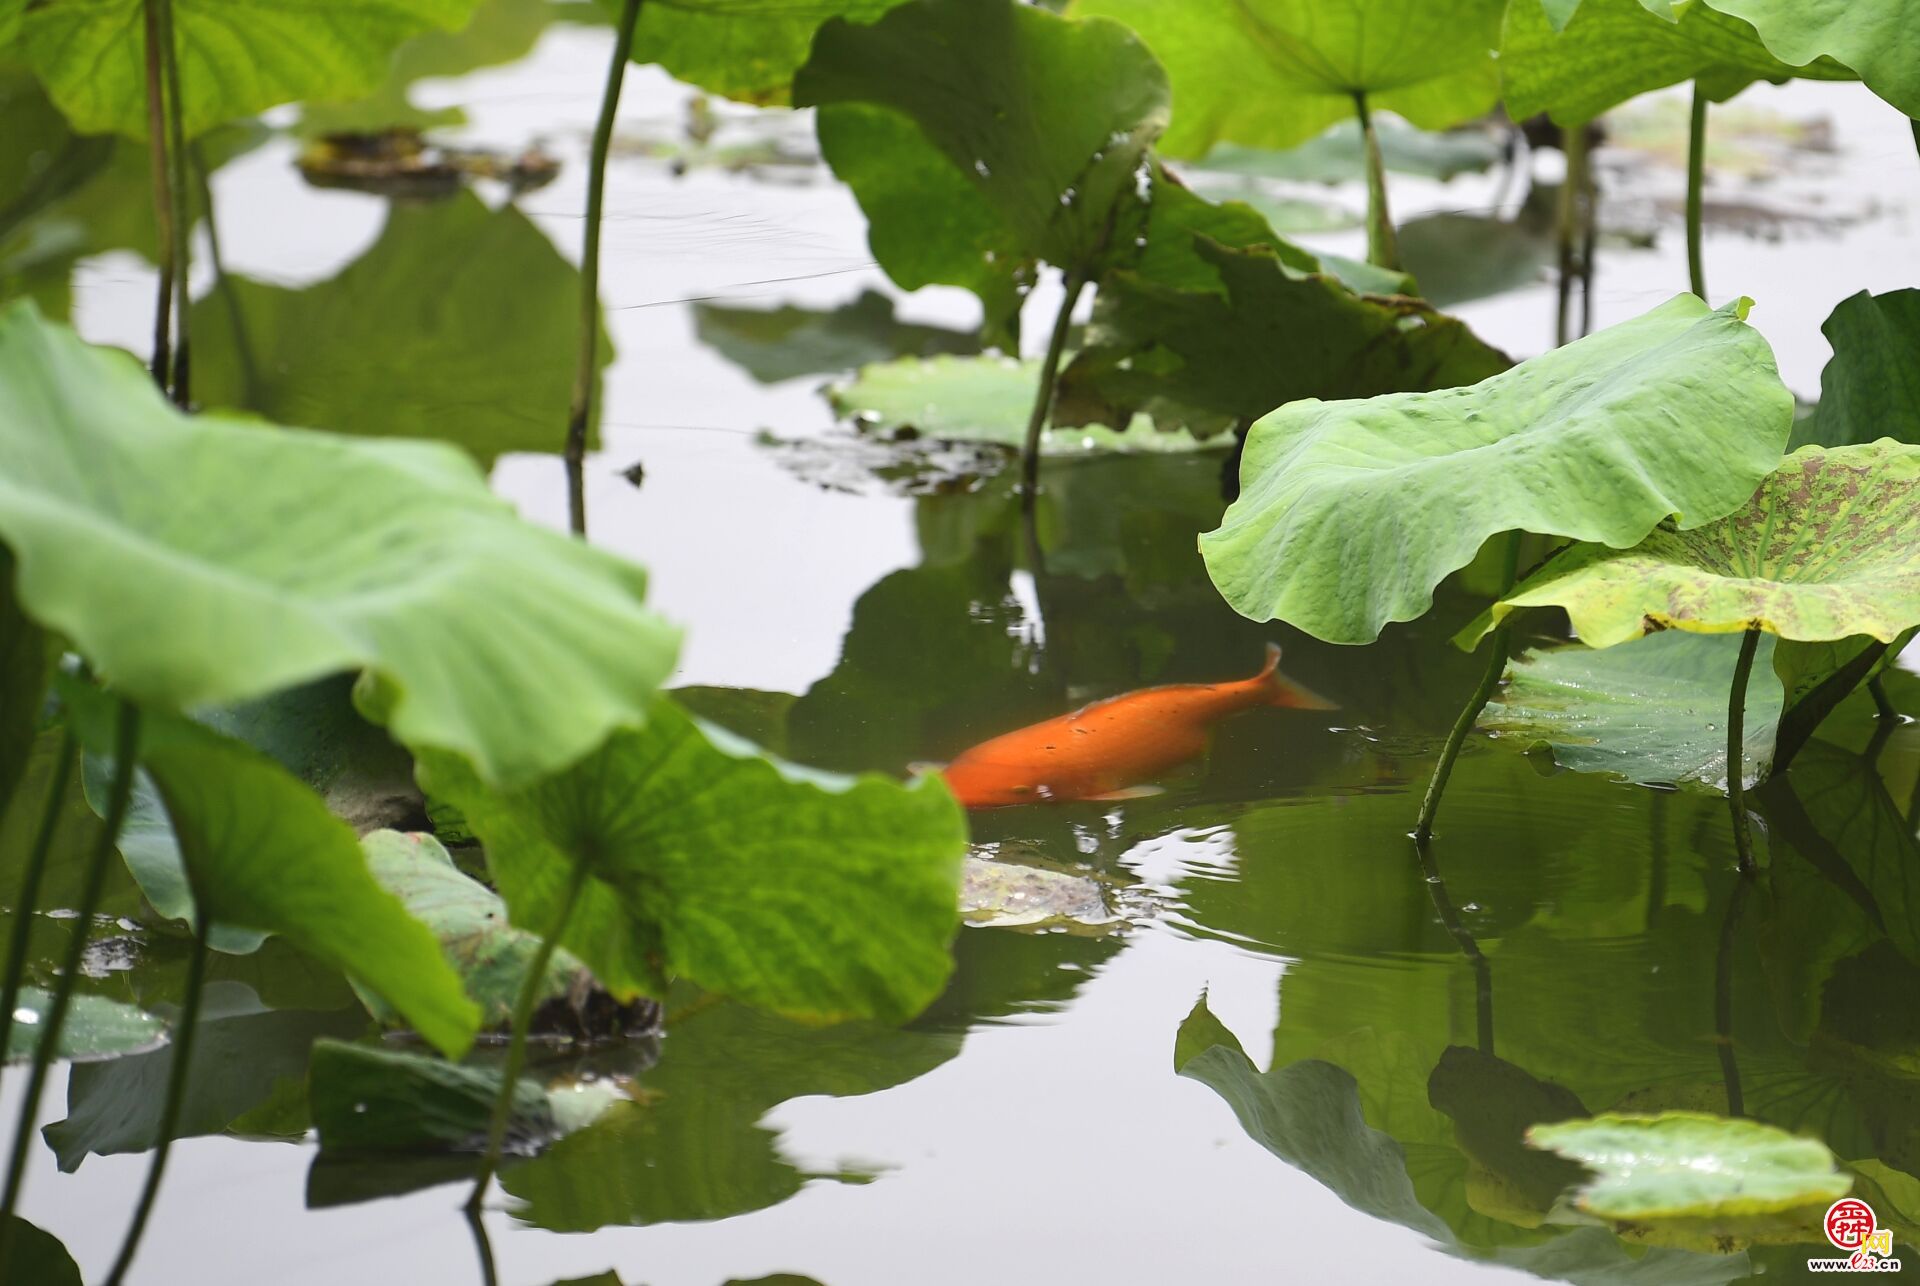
(1104,750)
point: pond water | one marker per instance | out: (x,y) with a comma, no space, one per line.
(864,607)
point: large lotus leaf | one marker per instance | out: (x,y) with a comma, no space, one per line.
(34,1254)
(409,340)
(1870,388)
(805,893)
(1653,713)
(470,921)
(978,399)
(743,49)
(262,852)
(1047,119)
(1613,50)
(95,1027)
(1274,73)
(1351,513)
(480,633)
(236,58)
(1827,548)
(1267,335)
(1879,39)
(368,1099)
(1680,1165)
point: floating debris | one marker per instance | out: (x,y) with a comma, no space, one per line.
(401,162)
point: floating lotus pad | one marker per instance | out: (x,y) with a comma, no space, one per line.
(1691,1165)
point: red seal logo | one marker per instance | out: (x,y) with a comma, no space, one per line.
(1850,1221)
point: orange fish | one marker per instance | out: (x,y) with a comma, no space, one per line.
(1103,750)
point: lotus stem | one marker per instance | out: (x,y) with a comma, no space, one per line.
(1075,282)
(1882,703)
(162,199)
(177,1074)
(1383,248)
(180,224)
(1569,225)
(581,412)
(1696,180)
(1736,739)
(483,1247)
(1470,714)
(523,1007)
(1468,944)
(1723,1001)
(30,889)
(125,739)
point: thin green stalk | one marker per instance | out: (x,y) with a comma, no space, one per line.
(1736,738)
(1568,225)
(1383,248)
(1723,1002)
(1696,180)
(182,220)
(1043,396)
(581,412)
(1882,703)
(30,886)
(183,1034)
(162,198)
(1470,714)
(126,734)
(483,1247)
(1468,944)
(523,1006)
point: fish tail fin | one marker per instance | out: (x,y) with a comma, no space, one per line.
(1286,693)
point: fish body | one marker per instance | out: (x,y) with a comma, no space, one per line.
(1104,750)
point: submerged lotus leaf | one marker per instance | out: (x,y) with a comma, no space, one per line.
(262,852)
(95,1027)
(1827,548)
(1351,513)
(1613,50)
(804,893)
(978,399)
(1879,39)
(1870,388)
(1690,1165)
(236,58)
(409,340)
(1653,713)
(1275,73)
(1044,120)
(475,632)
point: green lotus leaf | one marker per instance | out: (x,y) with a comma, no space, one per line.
(1339,154)
(236,58)
(262,852)
(1879,39)
(95,1027)
(476,632)
(409,340)
(1654,713)
(1613,50)
(33,1254)
(1044,120)
(24,656)
(1275,73)
(470,922)
(1267,336)
(1870,388)
(1827,548)
(1351,513)
(747,50)
(804,893)
(979,399)
(368,1099)
(1690,1165)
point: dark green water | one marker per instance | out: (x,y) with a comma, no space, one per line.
(1567,944)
